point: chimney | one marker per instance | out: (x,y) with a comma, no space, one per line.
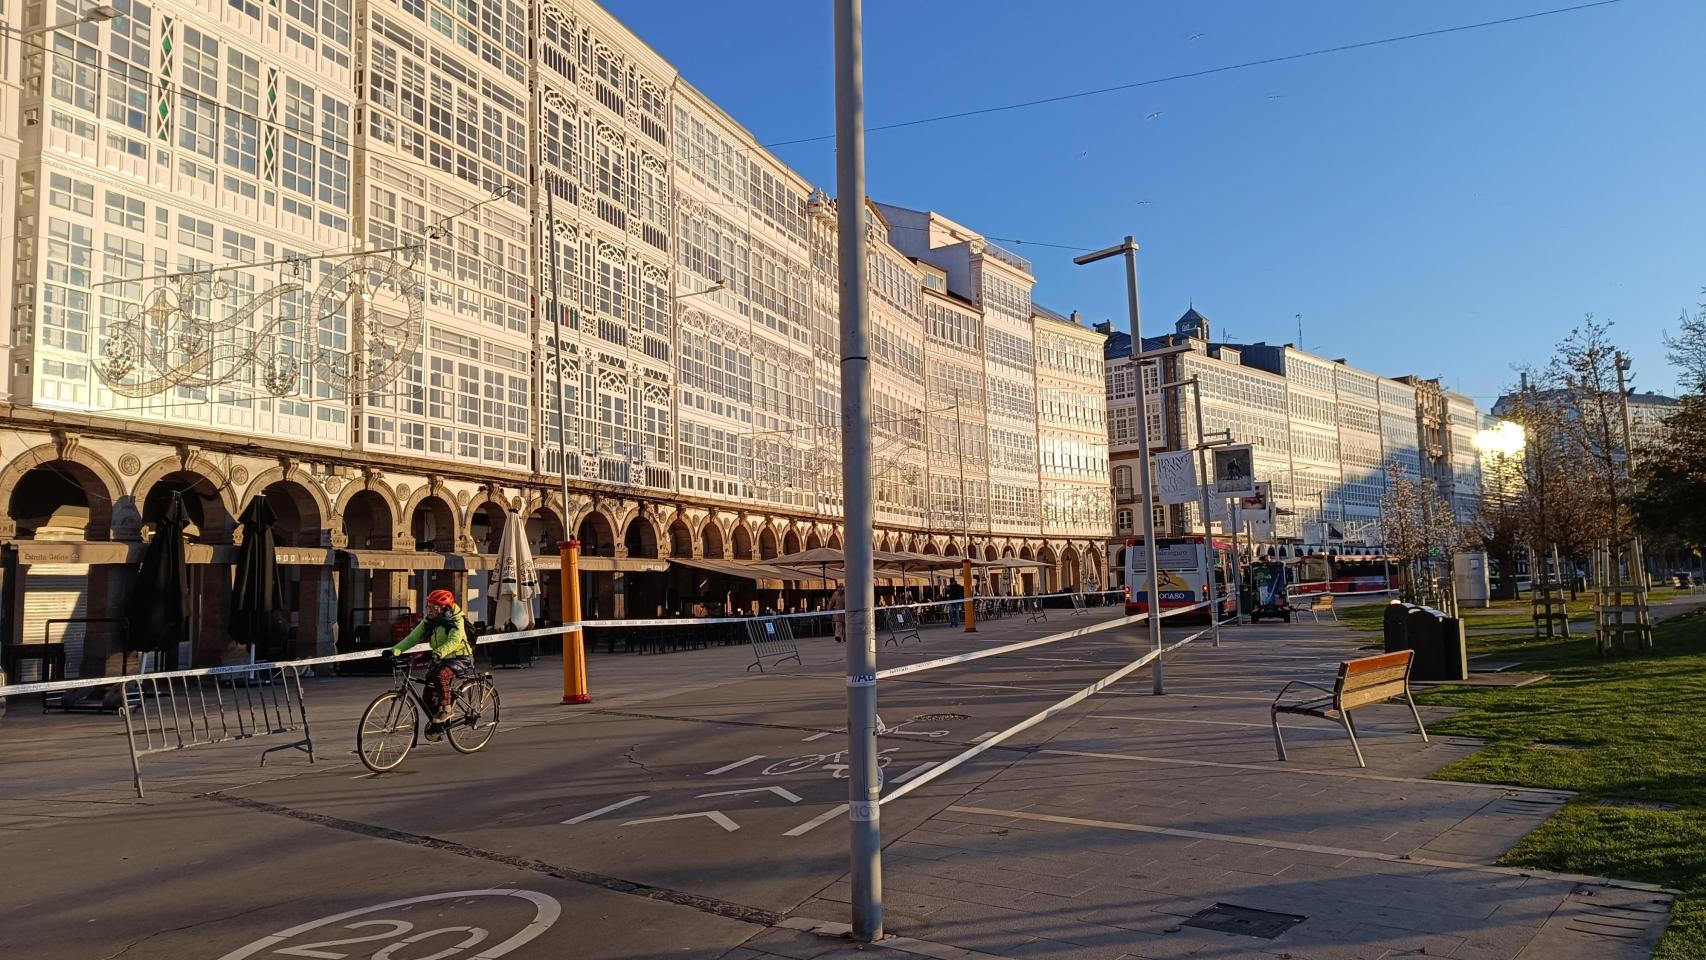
(1524,379)
(1105,327)
(1076,320)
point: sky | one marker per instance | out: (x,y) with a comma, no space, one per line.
(1447,206)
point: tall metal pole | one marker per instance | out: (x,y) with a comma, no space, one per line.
(960,445)
(1237,565)
(1149,546)
(1202,488)
(863,788)
(1128,249)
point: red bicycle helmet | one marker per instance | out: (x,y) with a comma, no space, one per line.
(442,598)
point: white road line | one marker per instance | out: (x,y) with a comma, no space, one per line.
(815,736)
(787,795)
(915,771)
(712,815)
(604,810)
(1312,848)
(985,735)
(1280,767)
(725,768)
(817,821)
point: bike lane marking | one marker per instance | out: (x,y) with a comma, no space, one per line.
(715,816)
(725,768)
(604,810)
(787,795)
(546,910)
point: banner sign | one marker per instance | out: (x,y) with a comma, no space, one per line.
(1175,477)
(1235,471)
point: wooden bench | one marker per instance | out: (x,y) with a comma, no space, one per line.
(1320,602)
(1361,682)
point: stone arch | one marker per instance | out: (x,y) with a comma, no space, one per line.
(433,523)
(393,506)
(834,541)
(741,542)
(680,539)
(290,491)
(367,519)
(791,542)
(640,539)
(298,509)
(766,542)
(950,549)
(929,549)
(208,497)
(1071,568)
(813,540)
(1025,552)
(596,534)
(484,521)
(79,479)
(544,526)
(711,540)
(989,552)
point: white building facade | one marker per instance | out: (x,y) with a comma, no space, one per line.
(404,269)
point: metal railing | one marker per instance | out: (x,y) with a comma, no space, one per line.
(180,709)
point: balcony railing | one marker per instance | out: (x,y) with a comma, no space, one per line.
(1006,256)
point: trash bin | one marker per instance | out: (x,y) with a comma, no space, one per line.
(1393,634)
(1452,663)
(1421,634)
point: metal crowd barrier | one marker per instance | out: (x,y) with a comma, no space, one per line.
(903,626)
(771,637)
(180,709)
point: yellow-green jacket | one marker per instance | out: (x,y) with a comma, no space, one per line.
(443,633)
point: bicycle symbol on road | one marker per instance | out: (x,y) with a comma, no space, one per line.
(835,763)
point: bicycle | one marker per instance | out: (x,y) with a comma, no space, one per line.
(390,726)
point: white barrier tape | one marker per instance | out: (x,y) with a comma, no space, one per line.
(1027,644)
(1292,592)
(1036,718)
(54,686)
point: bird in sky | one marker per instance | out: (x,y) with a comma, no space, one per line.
(1196,36)
(1276,96)
(1155,116)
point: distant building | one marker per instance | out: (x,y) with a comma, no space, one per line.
(1323,433)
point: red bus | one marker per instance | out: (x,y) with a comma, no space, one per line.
(1185,564)
(1324,573)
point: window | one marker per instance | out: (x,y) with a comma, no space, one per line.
(195,233)
(243,96)
(68,194)
(65,294)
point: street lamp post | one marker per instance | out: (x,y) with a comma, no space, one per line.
(1128,249)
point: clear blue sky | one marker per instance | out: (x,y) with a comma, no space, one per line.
(1446,206)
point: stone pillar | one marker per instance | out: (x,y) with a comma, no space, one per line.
(317,614)
(103,644)
(210,617)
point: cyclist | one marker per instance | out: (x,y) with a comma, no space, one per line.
(452,655)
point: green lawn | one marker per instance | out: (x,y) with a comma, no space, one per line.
(1629,728)
(1510,615)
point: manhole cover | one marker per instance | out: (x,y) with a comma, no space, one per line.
(1226,918)
(937,717)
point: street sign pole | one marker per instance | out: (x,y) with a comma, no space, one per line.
(864,789)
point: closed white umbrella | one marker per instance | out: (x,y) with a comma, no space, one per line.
(518,581)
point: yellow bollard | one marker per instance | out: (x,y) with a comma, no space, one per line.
(971,605)
(574,649)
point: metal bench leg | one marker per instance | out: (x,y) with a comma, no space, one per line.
(1279,741)
(1335,612)
(1414,713)
(1351,732)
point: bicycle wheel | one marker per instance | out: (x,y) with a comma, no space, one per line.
(387,731)
(477,700)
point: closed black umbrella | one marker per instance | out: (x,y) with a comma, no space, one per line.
(159,609)
(257,597)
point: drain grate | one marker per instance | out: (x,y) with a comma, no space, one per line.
(939,717)
(1244,921)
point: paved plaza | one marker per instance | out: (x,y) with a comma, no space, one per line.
(695,810)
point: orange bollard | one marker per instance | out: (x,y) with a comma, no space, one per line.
(574,648)
(971,605)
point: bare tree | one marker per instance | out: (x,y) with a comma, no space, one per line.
(1419,527)
(1687,350)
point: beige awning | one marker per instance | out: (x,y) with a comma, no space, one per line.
(761,573)
(613,564)
(130,552)
(416,560)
